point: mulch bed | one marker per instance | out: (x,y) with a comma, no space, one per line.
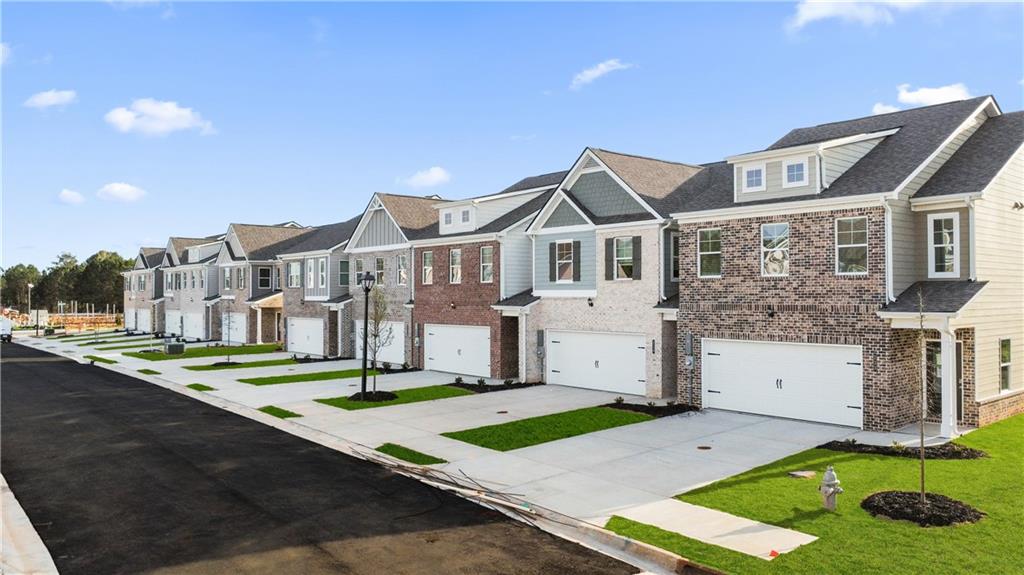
(308,359)
(477,388)
(939,511)
(373,396)
(653,410)
(225,363)
(944,451)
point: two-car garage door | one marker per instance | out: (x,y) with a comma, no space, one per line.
(597,360)
(458,349)
(799,381)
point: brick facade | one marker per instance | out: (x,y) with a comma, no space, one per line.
(335,345)
(397,295)
(143,299)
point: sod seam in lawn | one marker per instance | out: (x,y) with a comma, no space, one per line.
(211,351)
(99,359)
(411,395)
(299,377)
(147,371)
(851,540)
(200,387)
(278,412)
(243,365)
(410,455)
(545,428)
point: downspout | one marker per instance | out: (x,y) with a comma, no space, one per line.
(661,265)
(888,252)
(821,168)
(970,235)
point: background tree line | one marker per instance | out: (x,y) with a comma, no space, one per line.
(96,281)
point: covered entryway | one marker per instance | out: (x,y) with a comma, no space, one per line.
(172,322)
(800,381)
(597,360)
(143,320)
(464,349)
(234,327)
(305,335)
(194,326)
(391,353)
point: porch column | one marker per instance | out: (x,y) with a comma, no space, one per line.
(947,427)
(259,325)
(522,347)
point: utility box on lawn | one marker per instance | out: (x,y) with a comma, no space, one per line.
(174,348)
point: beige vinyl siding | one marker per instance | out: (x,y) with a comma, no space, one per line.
(998,311)
(839,159)
(380,230)
(487,212)
(773,181)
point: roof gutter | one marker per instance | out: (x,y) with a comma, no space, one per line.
(889,295)
(779,208)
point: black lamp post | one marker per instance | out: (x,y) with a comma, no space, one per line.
(367,282)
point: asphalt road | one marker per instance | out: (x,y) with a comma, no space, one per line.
(120,476)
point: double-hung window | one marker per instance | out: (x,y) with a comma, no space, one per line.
(142,283)
(227,278)
(1004,364)
(774,250)
(358,277)
(455,266)
(428,268)
(487,264)
(294,274)
(709,253)
(321,276)
(378,270)
(310,270)
(343,272)
(241,278)
(944,245)
(263,280)
(852,246)
(623,258)
(402,271)
(447,218)
(192,279)
(202,279)
(675,256)
(178,280)
(753,178)
(563,262)
(465,216)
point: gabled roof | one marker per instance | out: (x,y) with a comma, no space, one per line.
(940,296)
(152,257)
(534,182)
(261,243)
(656,181)
(973,167)
(181,245)
(499,224)
(322,237)
(414,215)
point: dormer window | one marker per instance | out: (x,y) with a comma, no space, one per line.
(794,173)
(753,178)
(465,216)
(447,218)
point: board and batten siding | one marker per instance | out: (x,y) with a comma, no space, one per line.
(588,262)
(603,196)
(515,257)
(380,230)
(839,159)
(998,311)
(773,181)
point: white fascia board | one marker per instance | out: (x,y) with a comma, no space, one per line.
(565,293)
(563,230)
(951,201)
(807,148)
(490,197)
(912,320)
(371,249)
(781,208)
(364,220)
(336,305)
(301,255)
(536,227)
(643,224)
(445,240)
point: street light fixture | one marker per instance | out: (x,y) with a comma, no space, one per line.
(30,286)
(367,282)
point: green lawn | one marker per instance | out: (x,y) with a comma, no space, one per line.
(545,428)
(154,344)
(212,351)
(298,377)
(81,335)
(410,455)
(850,540)
(278,412)
(101,341)
(404,396)
(200,387)
(99,359)
(147,371)
(264,363)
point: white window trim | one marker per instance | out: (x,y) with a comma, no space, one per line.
(956,246)
(447,218)
(297,276)
(346,266)
(424,266)
(399,267)
(761,251)
(700,272)
(491,265)
(359,270)
(616,258)
(867,249)
(309,274)
(572,259)
(785,175)
(464,216)
(452,266)
(1009,364)
(380,274)
(743,177)
(321,273)
(674,274)
(259,278)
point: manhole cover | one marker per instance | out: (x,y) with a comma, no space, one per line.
(703,447)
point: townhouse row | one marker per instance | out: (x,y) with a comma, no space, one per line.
(828,277)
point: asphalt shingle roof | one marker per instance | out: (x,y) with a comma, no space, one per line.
(502,223)
(152,256)
(262,243)
(671,302)
(656,181)
(533,182)
(323,237)
(979,159)
(521,299)
(940,296)
(415,215)
(181,245)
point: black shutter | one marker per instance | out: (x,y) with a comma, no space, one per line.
(609,258)
(551,262)
(637,259)
(576,261)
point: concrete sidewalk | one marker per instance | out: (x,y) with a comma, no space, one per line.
(22,550)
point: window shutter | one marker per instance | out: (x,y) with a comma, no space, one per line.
(609,258)
(576,261)
(551,262)
(637,259)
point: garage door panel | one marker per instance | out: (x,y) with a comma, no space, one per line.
(129,320)
(597,360)
(194,325)
(234,327)
(306,335)
(392,353)
(464,349)
(172,322)
(143,322)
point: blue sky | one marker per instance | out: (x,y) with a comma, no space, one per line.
(125,123)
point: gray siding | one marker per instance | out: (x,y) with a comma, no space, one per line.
(773,181)
(588,262)
(564,215)
(516,260)
(839,159)
(603,196)
(335,288)
(380,230)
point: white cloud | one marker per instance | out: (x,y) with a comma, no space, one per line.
(5,53)
(70,197)
(120,192)
(157,118)
(880,108)
(428,178)
(928,96)
(864,13)
(594,72)
(51,98)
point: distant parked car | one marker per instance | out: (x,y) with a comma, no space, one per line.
(5,329)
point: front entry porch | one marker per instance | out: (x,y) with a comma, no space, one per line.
(268,311)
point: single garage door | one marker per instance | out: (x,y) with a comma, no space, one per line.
(464,349)
(233,327)
(306,335)
(391,353)
(798,381)
(195,326)
(172,322)
(597,360)
(142,320)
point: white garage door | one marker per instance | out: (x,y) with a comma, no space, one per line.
(597,360)
(392,353)
(195,326)
(142,319)
(172,322)
(812,382)
(306,335)
(130,319)
(462,349)
(233,327)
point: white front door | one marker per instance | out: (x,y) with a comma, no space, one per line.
(195,327)
(462,349)
(172,322)
(142,320)
(394,352)
(799,381)
(597,360)
(306,335)
(234,327)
